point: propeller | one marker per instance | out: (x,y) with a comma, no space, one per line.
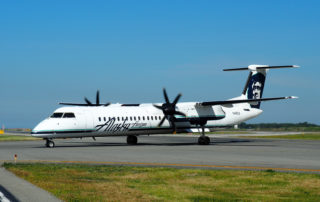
(97,101)
(88,103)
(169,110)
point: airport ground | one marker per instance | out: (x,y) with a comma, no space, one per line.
(231,152)
(175,150)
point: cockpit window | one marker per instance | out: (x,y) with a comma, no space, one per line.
(68,115)
(56,115)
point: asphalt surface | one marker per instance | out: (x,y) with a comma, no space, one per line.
(174,150)
(15,189)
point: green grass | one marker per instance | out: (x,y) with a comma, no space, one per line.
(16,138)
(304,136)
(72,182)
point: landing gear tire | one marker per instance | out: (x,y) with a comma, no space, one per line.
(203,140)
(49,143)
(132,140)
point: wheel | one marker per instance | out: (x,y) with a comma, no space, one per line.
(207,139)
(131,139)
(49,143)
(204,140)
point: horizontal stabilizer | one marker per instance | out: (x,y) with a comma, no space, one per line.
(244,101)
(257,67)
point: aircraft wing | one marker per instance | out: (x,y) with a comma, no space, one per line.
(243,101)
(72,104)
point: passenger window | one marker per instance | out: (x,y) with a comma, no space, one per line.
(130,118)
(139,118)
(148,118)
(104,118)
(143,118)
(155,118)
(56,115)
(134,118)
(99,118)
(118,118)
(152,118)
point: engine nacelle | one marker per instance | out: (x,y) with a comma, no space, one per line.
(207,113)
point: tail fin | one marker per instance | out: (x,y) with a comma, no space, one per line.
(254,86)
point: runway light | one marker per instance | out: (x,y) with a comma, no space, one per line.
(15,158)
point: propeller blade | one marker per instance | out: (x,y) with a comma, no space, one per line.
(173,125)
(180,113)
(87,101)
(177,99)
(161,122)
(98,98)
(159,107)
(165,95)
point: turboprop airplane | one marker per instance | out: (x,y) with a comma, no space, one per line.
(131,120)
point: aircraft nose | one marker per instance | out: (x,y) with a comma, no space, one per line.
(38,130)
(35,132)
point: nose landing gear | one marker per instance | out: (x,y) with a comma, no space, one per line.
(49,143)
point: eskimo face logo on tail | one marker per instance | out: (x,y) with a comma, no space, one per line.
(255,88)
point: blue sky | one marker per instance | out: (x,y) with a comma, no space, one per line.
(53,51)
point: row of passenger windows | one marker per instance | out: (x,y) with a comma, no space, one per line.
(131,118)
(62,115)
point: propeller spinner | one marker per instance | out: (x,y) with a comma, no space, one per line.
(169,110)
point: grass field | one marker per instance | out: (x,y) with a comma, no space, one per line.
(72,182)
(16,138)
(304,136)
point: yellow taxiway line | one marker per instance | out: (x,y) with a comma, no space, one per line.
(169,164)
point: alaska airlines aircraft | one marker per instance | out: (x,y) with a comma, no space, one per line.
(132,120)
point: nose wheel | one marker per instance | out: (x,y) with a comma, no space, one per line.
(49,143)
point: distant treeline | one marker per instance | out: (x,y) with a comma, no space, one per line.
(304,126)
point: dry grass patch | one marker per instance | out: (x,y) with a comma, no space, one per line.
(72,182)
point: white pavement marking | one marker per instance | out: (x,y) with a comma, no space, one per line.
(3,198)
(23,190)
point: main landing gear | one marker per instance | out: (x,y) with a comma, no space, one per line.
(49,143)
(203,139)
(132,139)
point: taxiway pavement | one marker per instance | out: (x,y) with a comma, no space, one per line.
(174,150)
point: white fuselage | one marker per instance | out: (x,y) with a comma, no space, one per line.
(116,120)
